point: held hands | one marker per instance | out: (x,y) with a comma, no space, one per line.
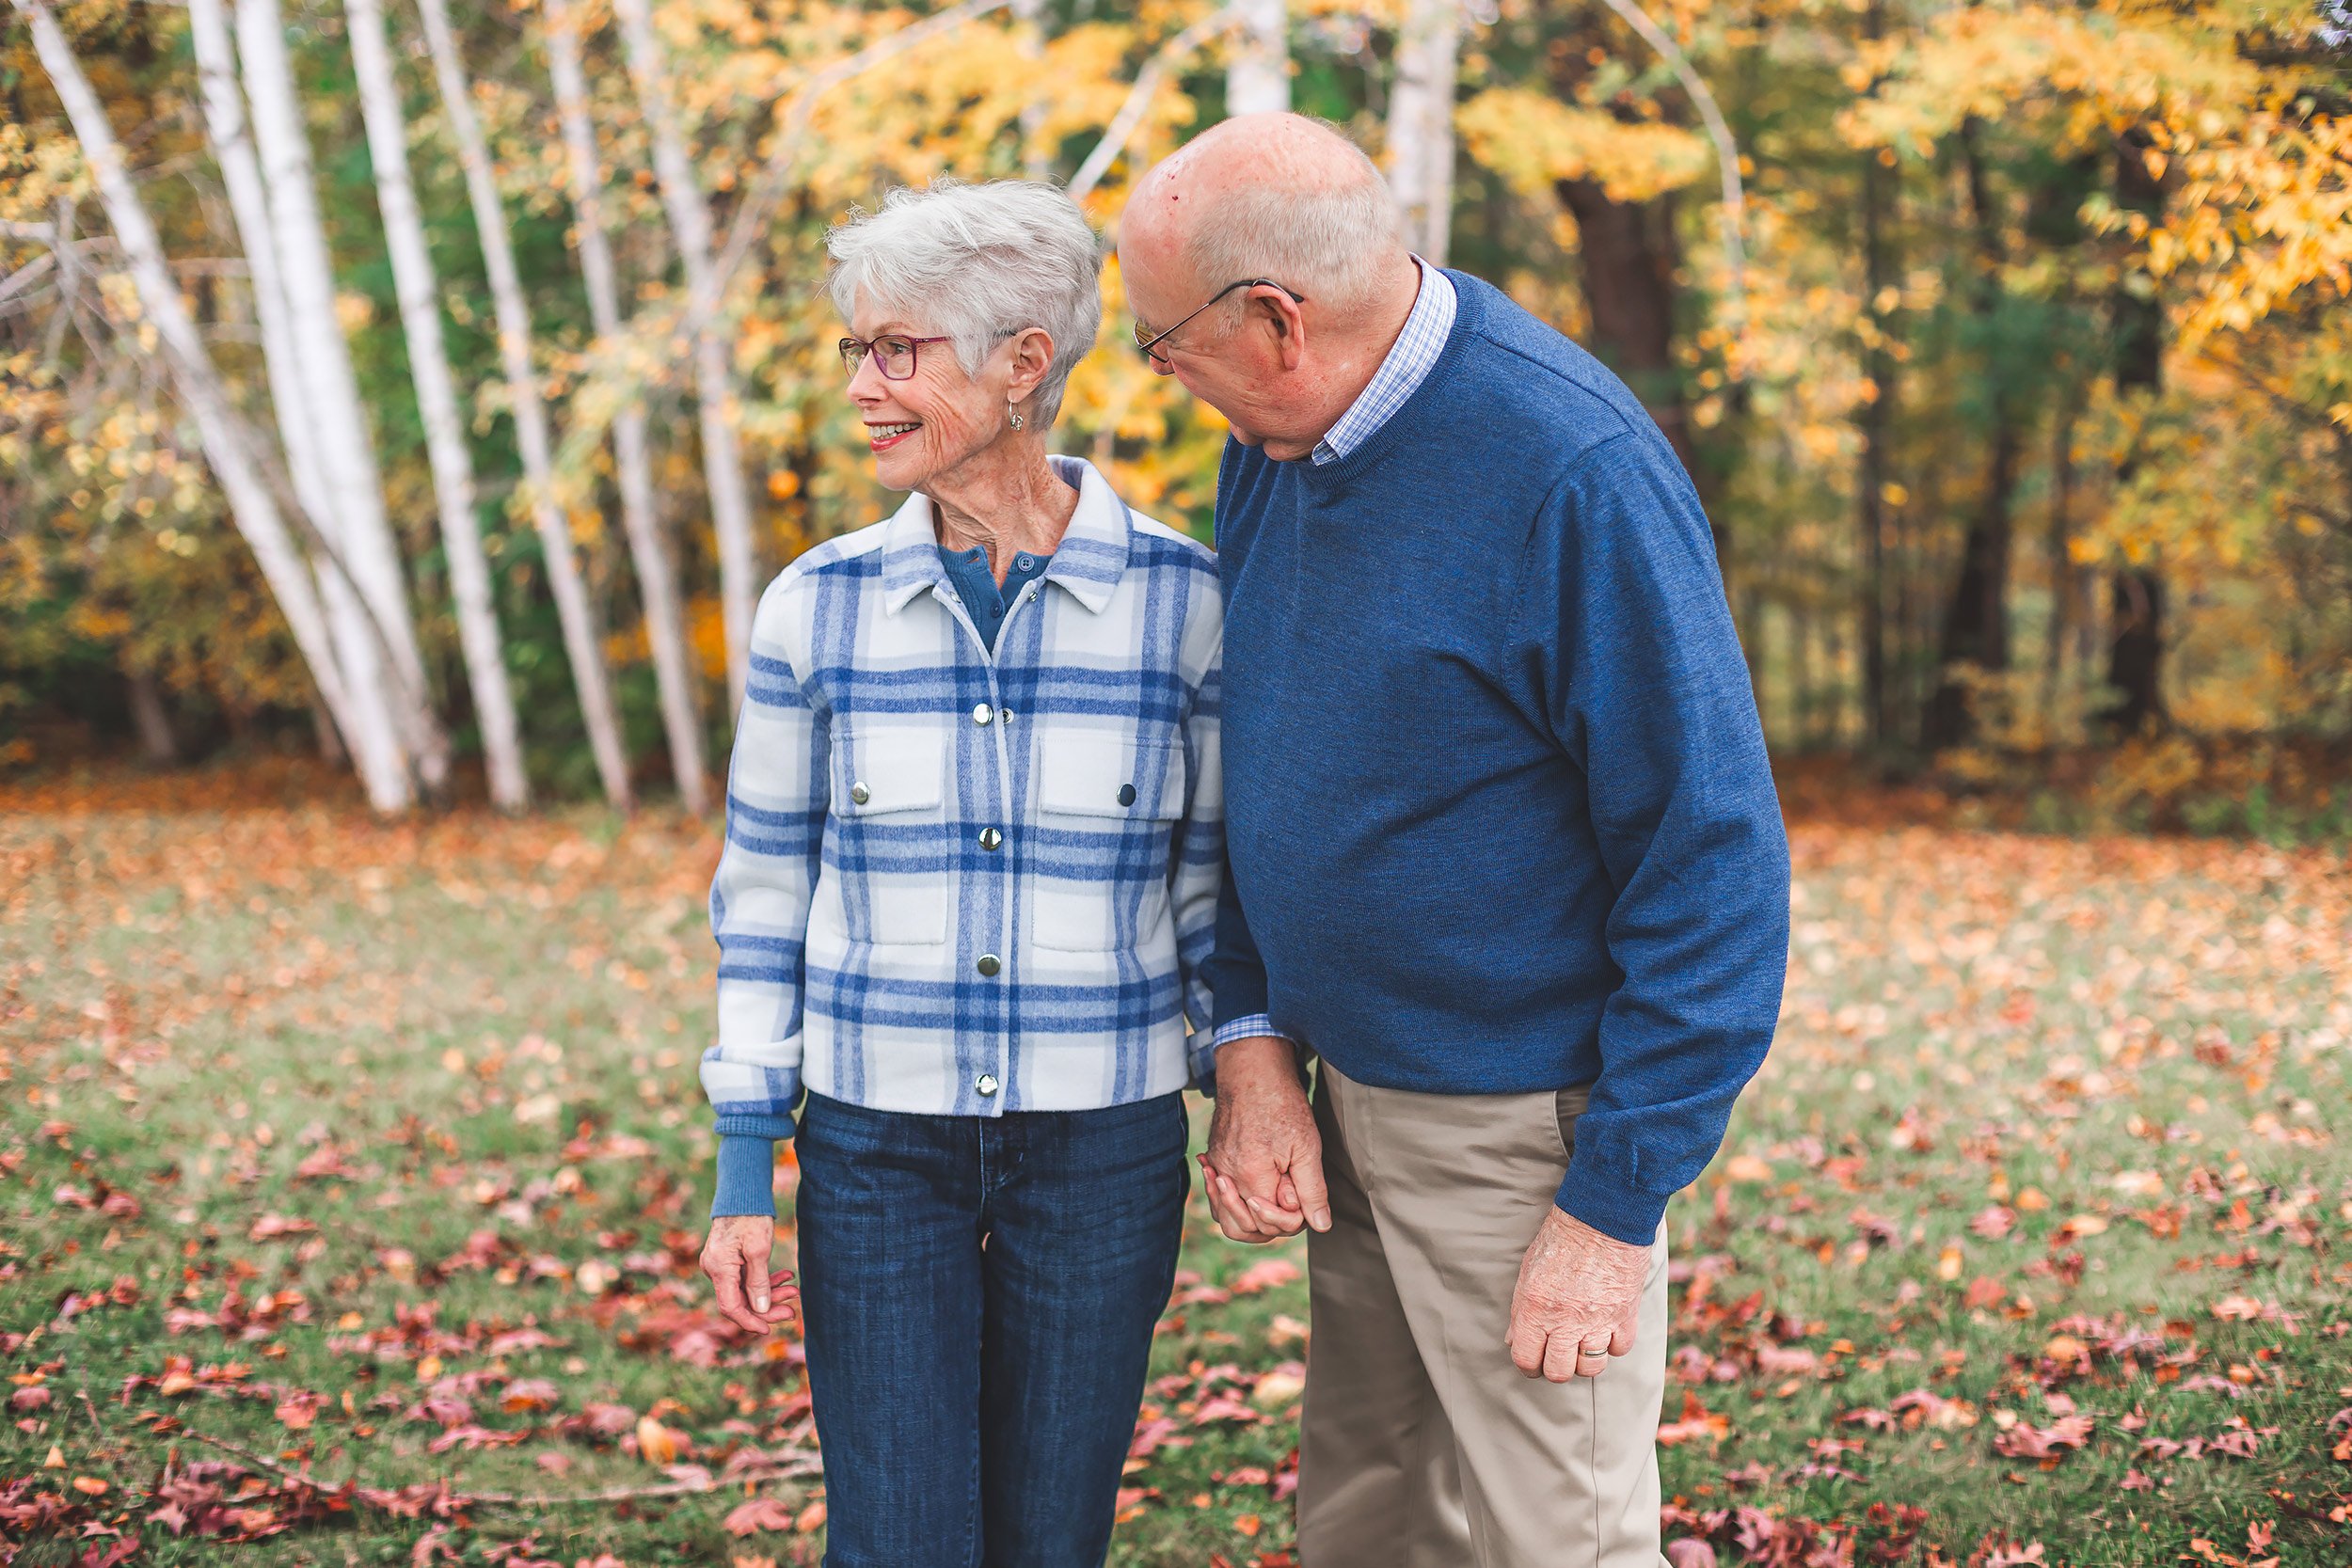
(1577,1296)
(735,1258)
(1262,1173)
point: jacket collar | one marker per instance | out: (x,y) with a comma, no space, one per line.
(1088,563)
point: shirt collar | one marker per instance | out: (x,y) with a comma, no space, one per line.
(1406,366)
(1088,561)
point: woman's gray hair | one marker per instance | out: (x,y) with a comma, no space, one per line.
(976,263)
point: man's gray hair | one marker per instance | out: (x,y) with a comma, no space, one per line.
(976,263)
(1328,241)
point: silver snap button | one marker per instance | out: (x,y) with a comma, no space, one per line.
(860,794)
(987,1085)
(1006,714)
(983,714)
(990,963)
(1126,794)
(991,839)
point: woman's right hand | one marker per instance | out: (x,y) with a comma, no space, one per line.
(735,1258)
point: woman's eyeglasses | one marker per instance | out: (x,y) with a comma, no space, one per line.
(1149,341)
(895,354)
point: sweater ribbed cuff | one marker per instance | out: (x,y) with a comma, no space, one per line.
(747,1177)
(1611,1207)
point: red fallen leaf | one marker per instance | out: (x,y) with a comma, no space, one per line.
(529,1393)
(1264,1276)
(1224,1407)
(2135,1480)
(1984,1292)
(1695,1421)
(1689,1552)
(2030,1442)
(1994,1222)
(28,1399)
(72,1197)
(119,1205)
(270,1226)
(760,1514)
(471,1436)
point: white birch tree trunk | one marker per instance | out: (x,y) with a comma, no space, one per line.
(665,620)
(1258,76)
(714,390)
(415,284)
(572,608)
(1420,124)
(360,532)
(371,736)
(224,436)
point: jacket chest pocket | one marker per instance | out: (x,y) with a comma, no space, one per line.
(1108,806)
(889,800)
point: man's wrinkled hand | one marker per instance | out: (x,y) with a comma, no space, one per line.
(735,1258)
(1578,1297)
(1264,1169)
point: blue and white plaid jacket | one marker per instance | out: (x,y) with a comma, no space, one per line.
(962,883)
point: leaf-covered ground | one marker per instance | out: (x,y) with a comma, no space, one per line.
(351,1178)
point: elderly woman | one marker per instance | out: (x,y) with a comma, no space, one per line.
(972,851)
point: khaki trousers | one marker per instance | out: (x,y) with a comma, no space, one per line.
(1421,1444)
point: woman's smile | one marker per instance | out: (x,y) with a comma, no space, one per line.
(882,438)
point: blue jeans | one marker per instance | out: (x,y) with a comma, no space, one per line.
(979,1296)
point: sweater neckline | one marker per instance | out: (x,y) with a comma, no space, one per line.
(1469,316)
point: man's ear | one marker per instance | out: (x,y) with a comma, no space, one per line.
(1032,357)
(1289,323)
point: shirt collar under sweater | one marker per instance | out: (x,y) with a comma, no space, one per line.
(1402,371)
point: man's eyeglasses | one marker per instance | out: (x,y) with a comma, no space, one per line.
(1149,343)
(895,354)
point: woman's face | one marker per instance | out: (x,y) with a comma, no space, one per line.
(937,418)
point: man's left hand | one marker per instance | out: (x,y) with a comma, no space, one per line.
(1577,1296)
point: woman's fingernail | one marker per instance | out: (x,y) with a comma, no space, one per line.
(760,1303)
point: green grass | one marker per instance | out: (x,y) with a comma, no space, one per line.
(480,1037)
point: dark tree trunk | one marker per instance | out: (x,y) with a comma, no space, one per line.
(1976,623)
(1875,418)
(1630,260)
(2136,634)
(157,744)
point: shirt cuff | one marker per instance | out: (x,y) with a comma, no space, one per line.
(747,1177)
(1245,1028)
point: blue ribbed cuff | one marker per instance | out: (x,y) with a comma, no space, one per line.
(747,1177)
(1613,1208)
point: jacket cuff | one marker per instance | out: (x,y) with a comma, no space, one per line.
(1612,1206)
(747,1177)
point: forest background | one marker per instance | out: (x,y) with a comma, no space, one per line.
(438,391)
(402,407)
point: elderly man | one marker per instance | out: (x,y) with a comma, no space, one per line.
(1504,856)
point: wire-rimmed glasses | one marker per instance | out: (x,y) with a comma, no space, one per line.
(1149,343)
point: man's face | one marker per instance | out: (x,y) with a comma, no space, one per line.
(1229,357)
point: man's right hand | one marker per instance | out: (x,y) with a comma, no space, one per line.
(1264,1168)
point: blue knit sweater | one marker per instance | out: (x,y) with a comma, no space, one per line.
(1499,811)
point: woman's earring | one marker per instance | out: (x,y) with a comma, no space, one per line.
(1017,420)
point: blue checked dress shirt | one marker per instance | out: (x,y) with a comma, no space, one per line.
(958,882)
(1406,366)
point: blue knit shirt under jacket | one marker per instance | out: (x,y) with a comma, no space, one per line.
(1500,817)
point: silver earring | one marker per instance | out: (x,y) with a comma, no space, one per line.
(1017,420)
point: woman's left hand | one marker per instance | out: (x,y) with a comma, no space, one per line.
(735,1258)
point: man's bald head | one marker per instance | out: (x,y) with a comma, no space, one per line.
(1275,196)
